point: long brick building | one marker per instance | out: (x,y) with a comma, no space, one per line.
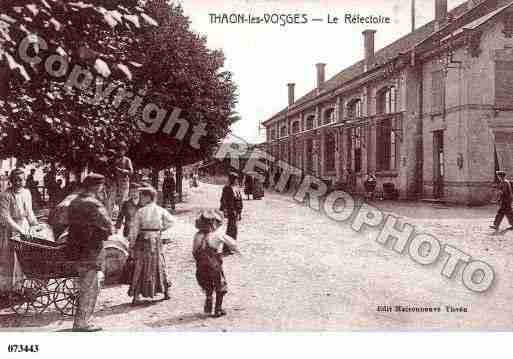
(431,113)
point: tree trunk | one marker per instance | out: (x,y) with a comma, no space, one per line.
(179,178)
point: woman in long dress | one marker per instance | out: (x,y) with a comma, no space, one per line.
(17,216)
(150,277)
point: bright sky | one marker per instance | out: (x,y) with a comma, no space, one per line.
(265,57)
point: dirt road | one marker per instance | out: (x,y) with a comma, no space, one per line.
(302,271)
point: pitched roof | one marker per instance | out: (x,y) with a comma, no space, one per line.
(382,56)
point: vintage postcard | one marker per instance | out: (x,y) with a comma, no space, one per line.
(252,165)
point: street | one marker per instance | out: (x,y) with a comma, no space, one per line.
(299,270)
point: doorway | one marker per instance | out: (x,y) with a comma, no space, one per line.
(438,164)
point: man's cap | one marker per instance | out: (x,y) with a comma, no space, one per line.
(123,145)
(500,173)
(233,175)
(93,179)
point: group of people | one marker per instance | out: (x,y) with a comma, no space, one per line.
(89,223)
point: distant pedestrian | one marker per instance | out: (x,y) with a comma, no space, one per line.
(149,277)
(120,183)
(207,251)
(231,206)
(195,180)
(505,200)
(50,185)
(128,210)
(169,190)
(32,186)
(248,186)
(370,186)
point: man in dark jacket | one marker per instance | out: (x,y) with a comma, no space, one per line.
(90,225)
(231,205)
(505,199)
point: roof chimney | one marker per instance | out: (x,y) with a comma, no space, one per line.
(320,74)
(368,45)
(440,13)
(291,93)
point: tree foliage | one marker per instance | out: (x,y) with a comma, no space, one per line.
(182,72)
(39,118)
(129,44)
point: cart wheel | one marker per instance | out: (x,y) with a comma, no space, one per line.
(66,297)
(32,297)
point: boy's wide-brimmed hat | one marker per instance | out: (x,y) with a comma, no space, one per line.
(211,217)
(500,173)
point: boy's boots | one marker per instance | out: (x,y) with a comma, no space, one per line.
(208,305)
(219,312)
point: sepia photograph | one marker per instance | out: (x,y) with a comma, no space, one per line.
(254,166)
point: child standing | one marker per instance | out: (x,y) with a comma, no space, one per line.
(207,251)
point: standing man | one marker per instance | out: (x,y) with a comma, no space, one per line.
(505,199)
(90,225)
(231,205)
(123,171)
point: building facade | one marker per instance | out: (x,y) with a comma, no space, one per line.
(431,113)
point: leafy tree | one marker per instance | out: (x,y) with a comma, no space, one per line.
(41,119)
(182,72)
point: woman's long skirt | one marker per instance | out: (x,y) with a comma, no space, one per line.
(150,277)
(10,268)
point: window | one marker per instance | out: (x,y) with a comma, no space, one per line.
(329,151)
(310,122)
(386,146)
(283,131)
(273,134)
(329,116)
(295,127)
(503,83)
(387,101)
(357,149)
(437,92)
(309,155)
(354,109)
(283,151)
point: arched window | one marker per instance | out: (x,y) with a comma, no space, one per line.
(354,109)
(310,122)
(295,127)
(387,100)
(329,116)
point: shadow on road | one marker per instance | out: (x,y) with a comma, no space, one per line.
(124,308)
(39,320)
(179,320)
